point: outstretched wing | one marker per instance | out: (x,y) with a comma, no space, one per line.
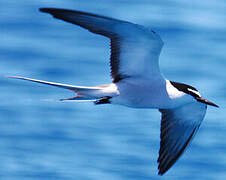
(178,126)
(134,49)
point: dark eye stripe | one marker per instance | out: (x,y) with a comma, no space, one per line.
(186,89)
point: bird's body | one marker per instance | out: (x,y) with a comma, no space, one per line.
(142,94)
(138,82)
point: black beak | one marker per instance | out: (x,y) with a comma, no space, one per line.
(200,99)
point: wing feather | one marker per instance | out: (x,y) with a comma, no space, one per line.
(134,49)
(178,127)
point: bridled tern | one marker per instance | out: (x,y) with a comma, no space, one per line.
(138,82)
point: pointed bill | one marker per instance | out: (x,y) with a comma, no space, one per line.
(134,49)
(178,126)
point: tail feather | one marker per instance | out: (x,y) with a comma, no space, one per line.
(84,93)
(76,98)
(64,86)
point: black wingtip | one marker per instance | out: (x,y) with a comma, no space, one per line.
(162,170)
(47,10)
(53,11)
(160,173)
(43,9)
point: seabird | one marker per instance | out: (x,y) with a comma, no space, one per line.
(138,82)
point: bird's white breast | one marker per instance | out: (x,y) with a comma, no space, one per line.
(158,93)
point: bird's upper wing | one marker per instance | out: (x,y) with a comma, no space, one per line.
(134,49)
(178,126)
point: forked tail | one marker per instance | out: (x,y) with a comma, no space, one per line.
(83,93)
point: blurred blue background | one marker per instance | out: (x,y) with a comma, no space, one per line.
(58,140)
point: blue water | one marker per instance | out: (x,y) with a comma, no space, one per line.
(55,140)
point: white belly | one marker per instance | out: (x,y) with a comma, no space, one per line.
(159,94)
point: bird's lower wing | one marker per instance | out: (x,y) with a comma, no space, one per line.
(178,126)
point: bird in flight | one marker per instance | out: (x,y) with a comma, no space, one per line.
(138,82)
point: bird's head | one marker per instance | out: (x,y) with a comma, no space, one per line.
(193,92)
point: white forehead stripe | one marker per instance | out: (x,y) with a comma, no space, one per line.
(194,91)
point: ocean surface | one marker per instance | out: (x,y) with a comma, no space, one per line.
(43,140)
